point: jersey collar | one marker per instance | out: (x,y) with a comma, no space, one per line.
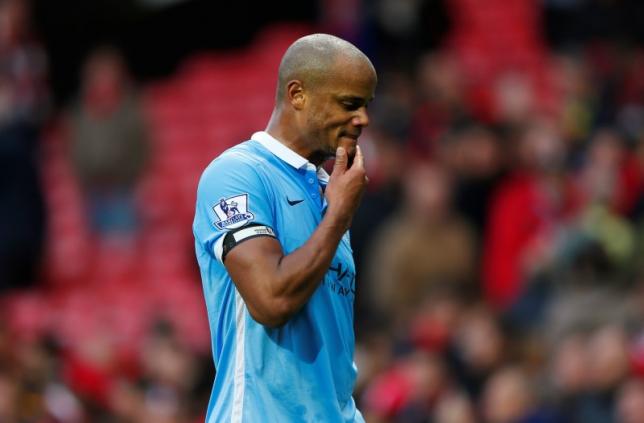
(286,154)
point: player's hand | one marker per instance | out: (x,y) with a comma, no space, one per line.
(346,186)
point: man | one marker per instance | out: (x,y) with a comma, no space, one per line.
(277,270)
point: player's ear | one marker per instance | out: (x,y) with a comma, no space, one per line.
(295,93)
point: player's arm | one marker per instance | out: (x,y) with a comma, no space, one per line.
(275,286)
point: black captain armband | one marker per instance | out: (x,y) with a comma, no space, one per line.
(237,236)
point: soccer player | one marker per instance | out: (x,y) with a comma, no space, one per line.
(271,234)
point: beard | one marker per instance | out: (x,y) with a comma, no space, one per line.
(328,153)
(328,140)
(319,157)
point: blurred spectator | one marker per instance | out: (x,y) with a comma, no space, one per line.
(373,356)
(438,318)
(588,372)
(384,147)
(608,368)
(513,99)
(606,201)
(636,165)
(379,202)
(108,142)
(23,89)
(407,392)
(425,244)
(23,104)
(630,402)
(169,374)
(569,376)
(403,29)
(509,397)
(8,398)
(605,158)
(454,408)
(90,368)
(577,103)
(442,102)
(392,113)
(479,347)
(472,153)
(630,96)
(527,214)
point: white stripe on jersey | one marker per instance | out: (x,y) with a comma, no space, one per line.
(238,376)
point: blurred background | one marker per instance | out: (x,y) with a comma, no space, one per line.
(500,245)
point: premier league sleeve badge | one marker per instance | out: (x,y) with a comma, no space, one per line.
(233,212)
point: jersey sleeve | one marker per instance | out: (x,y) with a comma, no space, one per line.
(231,195)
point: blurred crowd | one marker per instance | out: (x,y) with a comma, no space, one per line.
(44,381)
(501,240)
(98,374)
(504,256)
(499,246)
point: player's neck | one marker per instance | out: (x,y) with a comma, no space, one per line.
(284,132)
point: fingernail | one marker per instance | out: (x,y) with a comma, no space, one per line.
(339,151)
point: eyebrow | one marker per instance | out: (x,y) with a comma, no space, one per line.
(354,98)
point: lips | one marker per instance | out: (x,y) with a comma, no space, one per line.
(352,136)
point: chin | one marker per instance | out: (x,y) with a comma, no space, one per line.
(349,145)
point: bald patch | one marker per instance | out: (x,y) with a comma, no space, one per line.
(311,58)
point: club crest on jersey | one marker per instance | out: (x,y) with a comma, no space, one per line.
(233,212)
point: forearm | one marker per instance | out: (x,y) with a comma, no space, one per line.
(299,273)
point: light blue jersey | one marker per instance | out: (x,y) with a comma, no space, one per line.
(304,370)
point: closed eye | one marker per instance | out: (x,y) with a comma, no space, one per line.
(351,105)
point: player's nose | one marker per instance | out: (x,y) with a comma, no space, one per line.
(361,119)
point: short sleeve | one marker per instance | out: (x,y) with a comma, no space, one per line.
(231,195)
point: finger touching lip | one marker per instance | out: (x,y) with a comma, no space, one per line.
(352,136)
(351,133)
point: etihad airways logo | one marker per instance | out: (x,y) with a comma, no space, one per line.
(343,280)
